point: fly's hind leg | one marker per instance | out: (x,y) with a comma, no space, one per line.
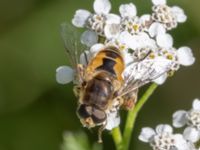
(101,128)
(130,100)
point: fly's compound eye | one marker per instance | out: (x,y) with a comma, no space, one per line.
(98,116)
(84,111)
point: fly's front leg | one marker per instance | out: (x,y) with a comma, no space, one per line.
(77,89)
(80,80)
(80,73)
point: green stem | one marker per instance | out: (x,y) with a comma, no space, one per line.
(132,115)
(117,137)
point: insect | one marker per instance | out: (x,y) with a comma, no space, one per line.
(103,85)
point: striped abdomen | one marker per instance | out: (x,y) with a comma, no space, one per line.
(109,60)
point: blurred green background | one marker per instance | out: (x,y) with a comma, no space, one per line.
(35,110)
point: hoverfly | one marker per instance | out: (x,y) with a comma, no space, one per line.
(104,84)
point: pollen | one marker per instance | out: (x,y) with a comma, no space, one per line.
(170,57)
(122,47)
(135,27)
(151,56)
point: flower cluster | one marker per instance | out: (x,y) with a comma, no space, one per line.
(163,137)
(146,46)
(139,37)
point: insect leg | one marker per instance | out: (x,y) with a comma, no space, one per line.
(100,132)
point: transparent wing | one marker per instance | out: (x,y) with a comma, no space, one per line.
(74,48)
(143,72)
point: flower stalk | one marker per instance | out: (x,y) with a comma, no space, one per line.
(122,143)
(117,137)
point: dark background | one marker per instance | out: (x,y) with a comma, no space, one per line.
(35,110)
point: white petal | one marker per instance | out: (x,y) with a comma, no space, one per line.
(159,2)
(181,143)
(125,38)
(179,13)
(128,10)
(113,120)
(164,40)
(146,134)
(144,40)
(164,128)
(112,19)
(191,134)
(80,18)
(140,40)
(85,57)
(89,38)
(156,28)
(127,57)
(196,104)
(185,56)
(161,79)
(145,17)
(64,74)
(102,6)
(179,118)
(111,30)
(96,48)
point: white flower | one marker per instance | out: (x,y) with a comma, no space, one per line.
(132,23)
(182,56)
(190,118)
(97,21)
(81,16)
(169,17)
(163,138)
(64,74)
(120,42)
